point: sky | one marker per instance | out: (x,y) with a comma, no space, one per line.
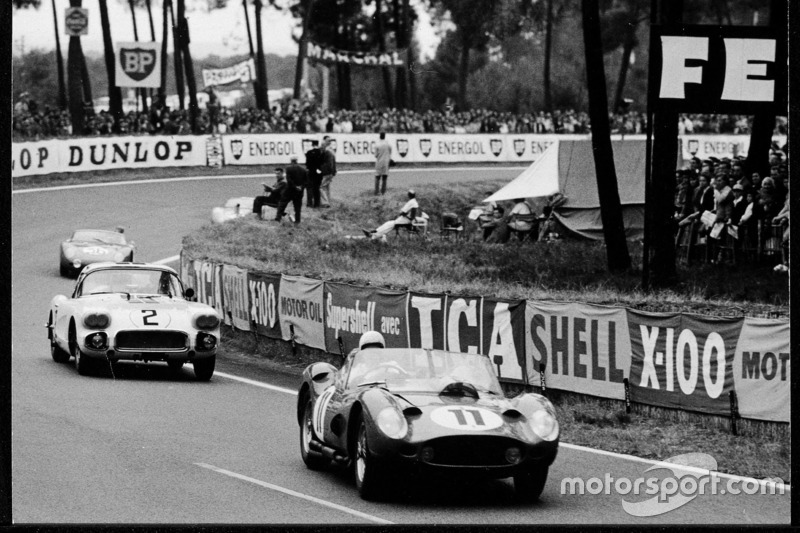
(221,32)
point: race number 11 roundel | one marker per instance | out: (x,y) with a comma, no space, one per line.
(466,418)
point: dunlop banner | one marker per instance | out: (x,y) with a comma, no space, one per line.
(584,348)
(762,370)
(683,361)
(300,308)
(503,332)
(426,320)
(264,292)
(464,333)
(351,310)
(235,301)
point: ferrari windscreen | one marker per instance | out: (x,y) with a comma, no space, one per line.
(88,235)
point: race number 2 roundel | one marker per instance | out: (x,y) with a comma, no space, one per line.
(149,318)
(466,418)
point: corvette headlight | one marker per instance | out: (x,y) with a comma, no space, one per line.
(69,253)
(97,341)
(206,341)
(206,322)
(544,425)
(96,320)
(392,423)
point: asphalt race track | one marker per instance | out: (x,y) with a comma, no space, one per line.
(149,448)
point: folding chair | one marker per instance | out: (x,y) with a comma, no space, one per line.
(451,225)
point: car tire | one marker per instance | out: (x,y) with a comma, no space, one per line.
(83,364)
(175,366)
(369,475)
(530,484)
(204,368)
(64,271)
(313,460)
(58,355)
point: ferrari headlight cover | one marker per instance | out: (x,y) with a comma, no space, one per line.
(392,423)
(544,425)
(206,321)
(96,320)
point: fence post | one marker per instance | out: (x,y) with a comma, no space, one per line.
(734,412)
(627,385)
(542,366)
(291,336)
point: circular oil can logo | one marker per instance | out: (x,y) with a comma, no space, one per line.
(466,418)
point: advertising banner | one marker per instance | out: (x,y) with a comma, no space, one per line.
(351,310)
(264,292)
(300,308)
(187,271)
(762,369)
(242,72)
(317,52)
(235,301)
(138,64)
(463,322)
(426,320)
(719,146)
(76,21)
(683,361)
(503,325)
(584,348)
(208,284)
(32,158)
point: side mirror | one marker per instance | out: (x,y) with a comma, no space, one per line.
(188,293)
(498,360)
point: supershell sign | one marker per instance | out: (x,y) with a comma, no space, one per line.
(719,69)
(138,64)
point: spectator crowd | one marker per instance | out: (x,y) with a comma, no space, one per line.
(33,122)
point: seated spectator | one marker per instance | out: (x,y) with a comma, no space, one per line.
(408,214)
(521,219)
(272,194)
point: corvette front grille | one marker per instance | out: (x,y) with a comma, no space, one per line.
(153,341)
(471,451)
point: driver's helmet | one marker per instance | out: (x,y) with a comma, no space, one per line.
(371,339)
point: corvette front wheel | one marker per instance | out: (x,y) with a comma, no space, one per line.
(313,460)
(204,368)
(82,363)
(529,485)
(370,478)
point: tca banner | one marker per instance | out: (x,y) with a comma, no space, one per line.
(503,334)
(426,320)
(138,64)
(234,297)
(208,284)
(762,369)
(464,333)
(683,361)
(300,308)
(351,310)
(583,348)
(264,292)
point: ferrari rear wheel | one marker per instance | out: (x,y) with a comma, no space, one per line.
(370,479)
(529,485)
(204,368)
(313,460)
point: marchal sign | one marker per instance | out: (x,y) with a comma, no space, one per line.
(76,21)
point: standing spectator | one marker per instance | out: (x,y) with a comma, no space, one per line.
(314,167)
(383,156)
(296,180)
(328,171)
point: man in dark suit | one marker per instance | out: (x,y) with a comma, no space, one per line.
(314,167)
(296,181)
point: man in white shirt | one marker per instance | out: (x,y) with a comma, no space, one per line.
(521,207)
(408,214)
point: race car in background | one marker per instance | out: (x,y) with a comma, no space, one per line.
(133,312)
(87,246)
(392,412)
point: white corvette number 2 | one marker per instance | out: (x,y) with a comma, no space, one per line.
(144,318)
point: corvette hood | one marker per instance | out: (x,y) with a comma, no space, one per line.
(161,311)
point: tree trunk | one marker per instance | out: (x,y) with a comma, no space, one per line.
(256,90)
(548,52)
(177,55)
(191,84)
(302,50)
(261,66)
(627,50)
(764,123)
(411,57)
(141,92)
(401,31)
(62,87)
(76,81)
(608,192)
(463,74)
(162,88)
(152,38)
(385,71)
(114,92)
(661,190)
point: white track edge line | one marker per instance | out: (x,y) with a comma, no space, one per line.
(256,383)
(296,494)
(238,176)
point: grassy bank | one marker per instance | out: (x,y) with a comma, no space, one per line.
(565,270)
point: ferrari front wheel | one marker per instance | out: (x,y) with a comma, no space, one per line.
(204,368)
(370,480)
(529,484)
(313,460)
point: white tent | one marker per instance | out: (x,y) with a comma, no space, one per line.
(539,179)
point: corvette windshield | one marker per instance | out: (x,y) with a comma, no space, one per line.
(110,237)
(421,370)
(131,281)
